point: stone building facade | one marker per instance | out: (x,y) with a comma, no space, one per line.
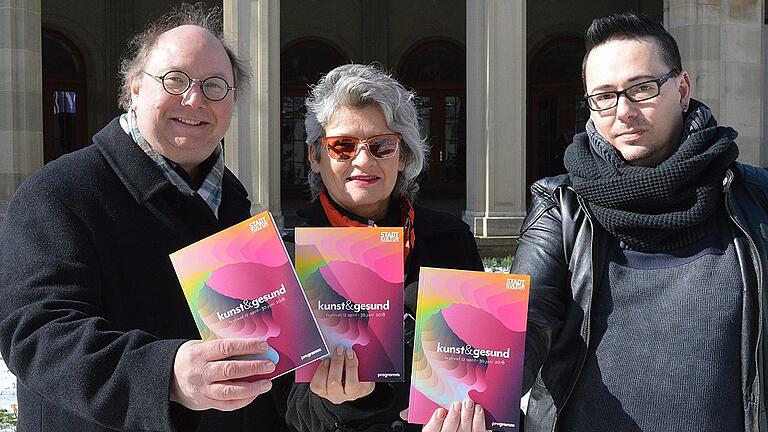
(499,85)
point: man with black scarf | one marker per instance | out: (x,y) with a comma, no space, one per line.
(647,259)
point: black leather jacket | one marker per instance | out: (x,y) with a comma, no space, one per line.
(562,247)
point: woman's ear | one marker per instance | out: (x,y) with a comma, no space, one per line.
(313,159)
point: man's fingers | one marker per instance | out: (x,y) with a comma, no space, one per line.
(319,383)
(220,349)
(236,390)
(205,377)
(478,422)
(225,370)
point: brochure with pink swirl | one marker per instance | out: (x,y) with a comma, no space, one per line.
(239,283)
(353,279)
(469,344)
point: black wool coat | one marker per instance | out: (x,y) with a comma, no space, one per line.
(441,241)
(92,313)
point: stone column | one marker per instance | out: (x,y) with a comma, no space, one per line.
(21,117)
(121,28)
(496,65)
(252,144)
(374,38)
(721,46)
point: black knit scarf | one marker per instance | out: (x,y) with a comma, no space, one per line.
(658,208)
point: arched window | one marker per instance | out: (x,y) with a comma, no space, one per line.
(64,96)
(301,64)
(435,61)
(436,70)
(556,109)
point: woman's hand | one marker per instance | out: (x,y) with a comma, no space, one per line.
(335,379)
(461,417)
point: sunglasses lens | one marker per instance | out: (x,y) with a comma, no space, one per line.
(383,147)
(342,148)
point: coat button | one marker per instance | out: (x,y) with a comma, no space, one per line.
(397,426)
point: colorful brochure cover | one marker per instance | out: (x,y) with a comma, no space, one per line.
(240,283)
(469,344)
(353,279)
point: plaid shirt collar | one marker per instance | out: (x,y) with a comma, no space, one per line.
(210,189)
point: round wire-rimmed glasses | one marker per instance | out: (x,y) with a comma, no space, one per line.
(177,82)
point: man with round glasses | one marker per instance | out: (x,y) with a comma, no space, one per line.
(648,258)
(93,321)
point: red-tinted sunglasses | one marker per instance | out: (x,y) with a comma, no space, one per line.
(382,146)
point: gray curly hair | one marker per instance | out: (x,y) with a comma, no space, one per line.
(357,85)
(141,45)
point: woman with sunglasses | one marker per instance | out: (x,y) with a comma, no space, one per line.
(365,155)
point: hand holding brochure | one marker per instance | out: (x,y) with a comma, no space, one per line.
(353,279)
(469,344)
(240,283)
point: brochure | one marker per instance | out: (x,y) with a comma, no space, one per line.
(469,344)
(353,279)
(240,283)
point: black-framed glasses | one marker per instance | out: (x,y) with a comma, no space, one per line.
(177,82)
(636,93)
(382,146)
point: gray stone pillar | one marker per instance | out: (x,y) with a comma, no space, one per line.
(21,117)
(721,46)
(496,52)
(121,15)
(252,144)
(374,38)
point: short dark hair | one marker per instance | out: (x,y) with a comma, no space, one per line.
(142,44)
(631,26)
